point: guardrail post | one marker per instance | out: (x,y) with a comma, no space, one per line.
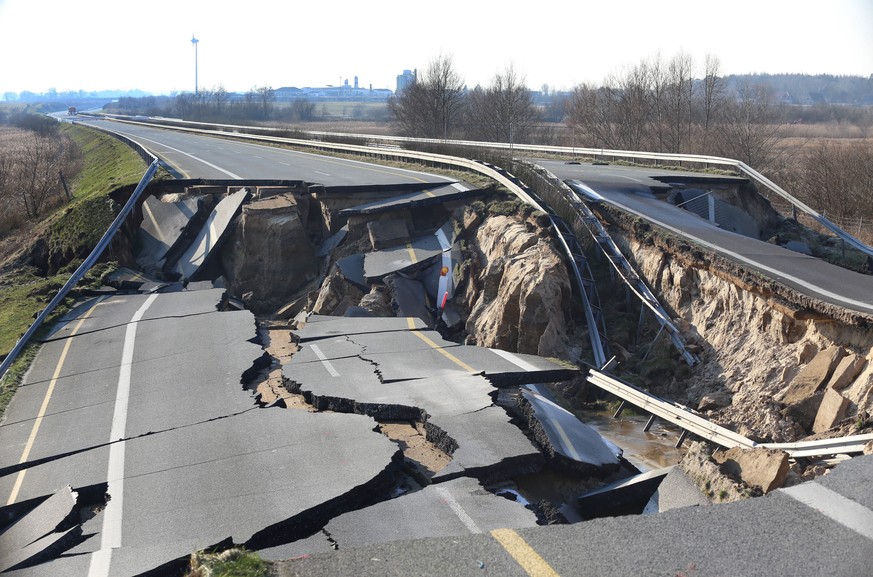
(649,424)
(682,438)
(618,411)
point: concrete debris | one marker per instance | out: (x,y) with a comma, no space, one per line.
(756,467)
(624,497)
(408,298)
(677,491)
(336,295)
(813,376)
(377,302)
(832,410)
(846,371)
(164,224)
(387,233)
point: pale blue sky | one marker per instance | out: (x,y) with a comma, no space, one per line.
(124,44)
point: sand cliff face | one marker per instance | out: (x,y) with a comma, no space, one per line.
(769,356)
(520,298)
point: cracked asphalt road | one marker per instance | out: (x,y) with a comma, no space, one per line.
(190,460)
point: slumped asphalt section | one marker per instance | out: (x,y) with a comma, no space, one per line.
(775,535)
(201,462)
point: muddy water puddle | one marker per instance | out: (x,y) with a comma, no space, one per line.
(654,449)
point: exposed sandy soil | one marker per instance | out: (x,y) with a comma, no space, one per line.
(420,452)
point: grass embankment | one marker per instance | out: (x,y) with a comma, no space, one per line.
(230,563)
(70,233)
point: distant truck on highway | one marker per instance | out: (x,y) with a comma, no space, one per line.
(71,111)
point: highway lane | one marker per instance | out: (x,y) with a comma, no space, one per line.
(628,189)
(143,393)
(198,156)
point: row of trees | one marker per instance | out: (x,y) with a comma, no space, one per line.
(656,105)
(438,105)
(34,162)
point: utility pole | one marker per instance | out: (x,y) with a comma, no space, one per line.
(194,41)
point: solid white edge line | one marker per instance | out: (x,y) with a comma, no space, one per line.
(845,511)
(327,364)
(456,508)
(518,362)
(110,533)
(777,274)
(188,154)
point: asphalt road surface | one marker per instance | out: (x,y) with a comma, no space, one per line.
(629,189)
(197,156)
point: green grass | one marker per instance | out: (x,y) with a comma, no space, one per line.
(230,563)
(23,294)
(70,233)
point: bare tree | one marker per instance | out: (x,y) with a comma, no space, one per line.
(433,105)
(633,107)
(712,97)
(220,98)
(751,128)
(658,83)
(504,112)
(680,83)
(303,109)
(591,113)
(265,96)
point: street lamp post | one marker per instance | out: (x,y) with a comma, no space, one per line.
(194,41)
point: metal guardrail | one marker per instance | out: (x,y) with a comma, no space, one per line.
(82,269)
(595,152)
(669,411)
(501,176)
(693,423)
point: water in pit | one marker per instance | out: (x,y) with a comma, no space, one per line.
(645,450)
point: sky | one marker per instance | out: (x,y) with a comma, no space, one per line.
(146,45)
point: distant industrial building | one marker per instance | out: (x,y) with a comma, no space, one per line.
(405,80)
(344,92)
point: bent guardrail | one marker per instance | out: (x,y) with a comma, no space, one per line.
(693,423)
(567,150)
(83,268)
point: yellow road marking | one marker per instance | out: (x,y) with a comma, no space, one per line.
(411,251)
(440,349)
(42,410)
(524,554)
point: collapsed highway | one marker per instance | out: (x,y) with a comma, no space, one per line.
(148,401)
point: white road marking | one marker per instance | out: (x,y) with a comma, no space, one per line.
(207,163)
(321,173)
(843,510)
(327,364)
(518,362)
(285,163)
(779,275)
(468,522)
(110,534)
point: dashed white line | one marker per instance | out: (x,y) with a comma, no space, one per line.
(327,364)
(517,361)
(468,522)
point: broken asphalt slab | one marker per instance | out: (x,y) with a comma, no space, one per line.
(34,534)
(431,196)
(211,234)
(569,441)
(163,224)
(456,507)
(417,252)
(399,375)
